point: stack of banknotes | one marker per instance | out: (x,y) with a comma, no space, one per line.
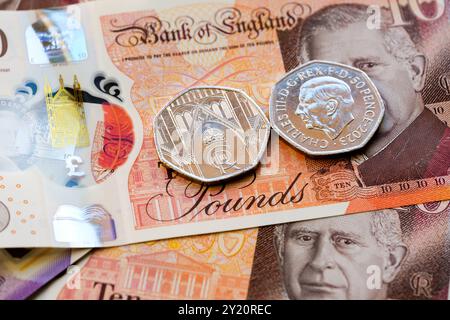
(83,189)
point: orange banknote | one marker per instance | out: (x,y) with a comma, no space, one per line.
(250,46)
(110,188)
(384,254)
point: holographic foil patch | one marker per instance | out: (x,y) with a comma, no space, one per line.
(89,226)
(56,37)
(66,116)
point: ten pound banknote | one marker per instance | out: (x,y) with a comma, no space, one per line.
(385,254)
(81,86)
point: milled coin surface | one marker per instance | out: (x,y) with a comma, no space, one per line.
(211,133)
(325,108)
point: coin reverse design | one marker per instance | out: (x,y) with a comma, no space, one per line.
(211,133)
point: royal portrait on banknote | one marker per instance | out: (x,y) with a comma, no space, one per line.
(329,258)
(386,254)
(395,63)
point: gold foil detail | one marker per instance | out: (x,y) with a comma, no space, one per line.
(66,116)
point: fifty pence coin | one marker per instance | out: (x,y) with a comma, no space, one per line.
(325,108)
(211,133)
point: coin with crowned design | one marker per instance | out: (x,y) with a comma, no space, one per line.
(325,108)
(211,133)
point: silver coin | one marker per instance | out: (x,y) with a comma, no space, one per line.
(325,108)
(211,133)
(4,216)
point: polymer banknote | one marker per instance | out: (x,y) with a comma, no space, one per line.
(81,86)
(384,254)
(24,271)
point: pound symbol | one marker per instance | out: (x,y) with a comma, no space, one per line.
(72,163)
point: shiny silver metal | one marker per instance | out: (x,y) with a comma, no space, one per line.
(325,108)
(211,133)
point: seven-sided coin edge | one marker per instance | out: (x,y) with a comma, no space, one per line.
(230,108)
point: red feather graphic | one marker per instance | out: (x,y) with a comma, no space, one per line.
(117,140)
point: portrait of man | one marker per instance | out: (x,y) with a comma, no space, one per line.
(333,258)
(411,143)
(325,103)
(16,145)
